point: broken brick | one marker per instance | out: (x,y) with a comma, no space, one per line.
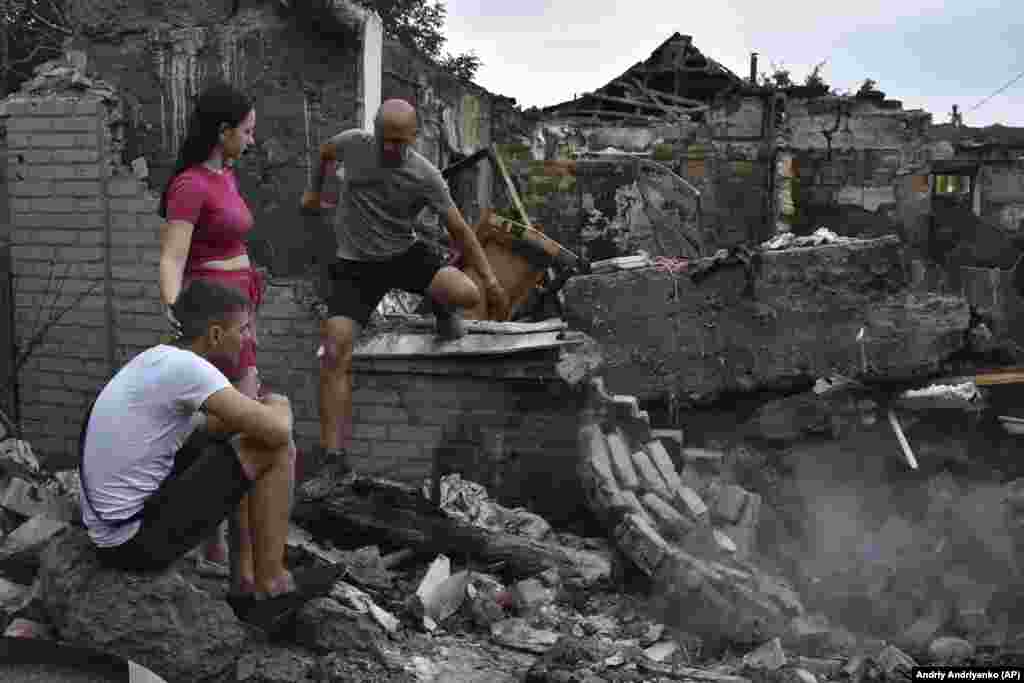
(649,476)
(670,520)
(622,463)
(729,503)
(661,459)
(689,502)
(641,542)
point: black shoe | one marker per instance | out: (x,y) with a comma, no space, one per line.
(271,615)
(317,582)
(450,324)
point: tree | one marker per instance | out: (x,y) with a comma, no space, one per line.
(815,79)
(31,32)
(419,24)
(780,78)
(868,86)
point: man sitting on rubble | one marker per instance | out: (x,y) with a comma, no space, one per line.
(170,447)
(386,184)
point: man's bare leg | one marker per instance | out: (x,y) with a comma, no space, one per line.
(269,509)
(338,334)
(452,292)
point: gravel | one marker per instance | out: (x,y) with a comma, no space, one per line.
(48,673)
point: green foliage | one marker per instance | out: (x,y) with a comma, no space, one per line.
(868,86)
(815,79)
(780,78)
(35,31)
(663,152)
(419,24)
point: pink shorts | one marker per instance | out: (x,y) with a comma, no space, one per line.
(250,282)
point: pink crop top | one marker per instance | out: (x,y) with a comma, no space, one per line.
(211,203)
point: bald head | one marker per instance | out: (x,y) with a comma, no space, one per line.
(397,113)
(395,129)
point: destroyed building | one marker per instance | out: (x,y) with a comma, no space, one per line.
(725,425)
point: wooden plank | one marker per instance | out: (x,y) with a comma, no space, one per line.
(636,103)
(669,97)
(487,326)
(996,377)
(407,345)
(510,185)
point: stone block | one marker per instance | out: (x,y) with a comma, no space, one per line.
(622,462)
(642,543)
(649,477)
(660,457)
(670,521)
(689,502)
(658,334)
(729,504)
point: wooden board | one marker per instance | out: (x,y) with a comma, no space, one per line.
(1004,376)
(406,345)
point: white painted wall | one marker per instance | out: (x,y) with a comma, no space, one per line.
(372,76)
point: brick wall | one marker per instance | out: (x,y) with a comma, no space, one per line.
(508,424)
(79,211)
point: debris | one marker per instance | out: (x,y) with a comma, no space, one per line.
(640,260)
(730,503)
(530,594)
(819,237)
(950,650)
(691,503)
(697,455)
(32,499)
(671,521)
(19,553)
(446,598)
(12,595)
(622,463)
(160,619)
(967,391)
(398,514)
(649,476)
(26,628)
(904,444)
(17,458)
(437,573)
(361,602)
(768,656)
(661,651)
(724,542)
(660,457)
(517,634)
(302,540)
(324,625)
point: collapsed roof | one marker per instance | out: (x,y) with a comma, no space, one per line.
(675,81)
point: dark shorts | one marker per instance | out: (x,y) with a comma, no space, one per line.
(356,287)
(206,484)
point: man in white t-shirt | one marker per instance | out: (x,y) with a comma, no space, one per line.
(169,449)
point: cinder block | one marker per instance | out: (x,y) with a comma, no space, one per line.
(78,188)
(80,254)
(14,107)
(73,156)
(124,221)
(133,272)
(32,252)
(370,432)
(124,187)
(427,435)
(44,236)
(76,124)
(381,414)
(53,106)
(85,107)
(38,188)
(376,397)
(31,124)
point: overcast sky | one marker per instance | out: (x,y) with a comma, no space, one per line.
(930,54)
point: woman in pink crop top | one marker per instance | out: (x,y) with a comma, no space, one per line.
(204,237)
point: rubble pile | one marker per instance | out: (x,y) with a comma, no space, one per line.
(509,611)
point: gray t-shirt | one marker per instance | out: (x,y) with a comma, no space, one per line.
(141,419)
(378,205)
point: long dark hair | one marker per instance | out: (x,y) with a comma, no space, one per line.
(218,104)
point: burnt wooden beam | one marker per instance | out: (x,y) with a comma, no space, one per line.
(669,97)
(637,103)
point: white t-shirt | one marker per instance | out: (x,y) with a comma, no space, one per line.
(141,419)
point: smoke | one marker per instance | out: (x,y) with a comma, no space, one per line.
(884,546)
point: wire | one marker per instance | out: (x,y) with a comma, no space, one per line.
(1012,81)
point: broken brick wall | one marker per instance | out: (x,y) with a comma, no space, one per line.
(1001,186)
(508,424)
(856,166)
(307,83)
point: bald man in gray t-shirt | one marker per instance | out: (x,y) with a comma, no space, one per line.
(386,184)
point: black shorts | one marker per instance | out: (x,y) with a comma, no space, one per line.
(205,485)
(356,287)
